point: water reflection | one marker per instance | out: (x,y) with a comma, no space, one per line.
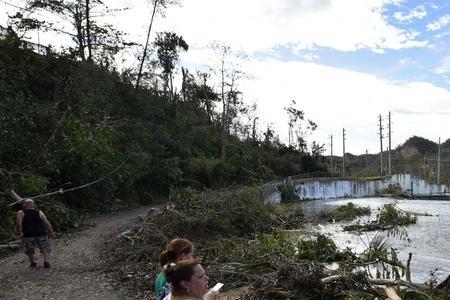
(429,238)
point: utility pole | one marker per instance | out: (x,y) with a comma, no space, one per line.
(331,154)
(367,164)
(155,5)
(389,151)
(381,145)
(343,152)
(439,162)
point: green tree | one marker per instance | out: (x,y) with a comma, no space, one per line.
(168,46)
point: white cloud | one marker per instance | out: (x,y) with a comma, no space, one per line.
(310,57)
(445,66)
(256,25)
(418,12)
(441,22)
(337,98)
(261,25)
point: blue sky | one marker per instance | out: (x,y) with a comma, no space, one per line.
(343,61)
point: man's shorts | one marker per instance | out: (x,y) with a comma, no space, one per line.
(29,243)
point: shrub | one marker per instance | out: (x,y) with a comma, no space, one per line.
(288,193)
(30,185)
(238,212)
(345,212)
(7,221)
(61,217)
(391,215)
(320,249)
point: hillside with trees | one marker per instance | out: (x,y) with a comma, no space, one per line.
(417,155)
(69,122)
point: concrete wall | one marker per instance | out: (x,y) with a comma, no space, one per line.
(335,188)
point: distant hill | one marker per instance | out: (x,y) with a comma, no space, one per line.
(446,144)
(416,145)
(416,155)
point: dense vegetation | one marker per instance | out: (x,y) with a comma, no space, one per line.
(248,245)
(249,249)
(66,122)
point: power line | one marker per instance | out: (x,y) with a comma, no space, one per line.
(12,5)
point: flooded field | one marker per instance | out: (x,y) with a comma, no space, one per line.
(428,240)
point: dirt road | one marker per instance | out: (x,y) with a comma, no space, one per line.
(75,271)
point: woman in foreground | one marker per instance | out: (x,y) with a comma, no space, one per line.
(189,281)
(177,249)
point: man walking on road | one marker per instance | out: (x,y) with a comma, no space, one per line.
(34,229)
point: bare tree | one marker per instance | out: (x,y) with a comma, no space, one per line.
(228,72)
(298,126)
(88,29)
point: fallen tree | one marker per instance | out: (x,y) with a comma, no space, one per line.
(389,218)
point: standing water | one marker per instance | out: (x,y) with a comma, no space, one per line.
(428,240)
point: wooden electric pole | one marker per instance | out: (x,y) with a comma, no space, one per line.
(439,163)
(343,152)
(381,145)
(389,151)
(331,153)
(367,164)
